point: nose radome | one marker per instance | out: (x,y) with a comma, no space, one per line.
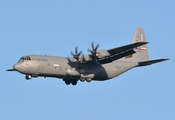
(16,66)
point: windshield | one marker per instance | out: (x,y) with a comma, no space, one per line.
(22,59)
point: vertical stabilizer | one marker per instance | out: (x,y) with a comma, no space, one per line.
(141,51)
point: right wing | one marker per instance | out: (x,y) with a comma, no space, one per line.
(126,47)
(107,56)
(120,52)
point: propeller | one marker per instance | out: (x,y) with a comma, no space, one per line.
(83,59)
(94,49)
(76,54)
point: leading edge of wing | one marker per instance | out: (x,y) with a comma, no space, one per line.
(126,47)
(115,57)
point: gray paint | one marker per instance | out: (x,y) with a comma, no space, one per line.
(71,70)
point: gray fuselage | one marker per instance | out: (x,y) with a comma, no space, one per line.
(65,68)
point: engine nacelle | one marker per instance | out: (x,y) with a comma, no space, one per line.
(72,72)
(88,77)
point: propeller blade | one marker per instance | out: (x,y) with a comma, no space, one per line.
(94,49)
(72,53)
(92,44)
(89,50)
(76,50)
(79,53)
(76,54)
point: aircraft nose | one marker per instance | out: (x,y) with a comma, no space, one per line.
(16,66)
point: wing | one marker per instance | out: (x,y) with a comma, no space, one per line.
(126,47)
(107,56)
(115,57)
(120,52)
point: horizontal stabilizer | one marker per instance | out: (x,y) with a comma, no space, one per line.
(144,63)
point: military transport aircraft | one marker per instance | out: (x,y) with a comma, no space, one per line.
(99,65)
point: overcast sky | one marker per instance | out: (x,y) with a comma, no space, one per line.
(56,27)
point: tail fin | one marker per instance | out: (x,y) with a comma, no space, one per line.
(141,51)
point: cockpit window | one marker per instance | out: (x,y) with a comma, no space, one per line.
(24,58)
(27,58)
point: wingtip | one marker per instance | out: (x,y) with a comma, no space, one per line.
(145,42)
(141,43)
